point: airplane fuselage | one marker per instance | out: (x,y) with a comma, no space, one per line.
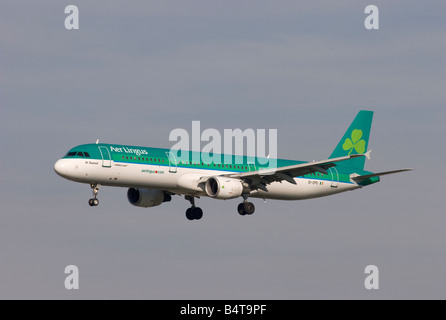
(153,175)
(155,168)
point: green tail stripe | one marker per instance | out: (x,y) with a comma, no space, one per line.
(355,140)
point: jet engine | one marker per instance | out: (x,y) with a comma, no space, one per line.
(224,188)
(147,197)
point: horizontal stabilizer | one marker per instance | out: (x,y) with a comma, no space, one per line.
(368,176)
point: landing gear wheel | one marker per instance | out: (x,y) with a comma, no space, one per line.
(194,213)
(246,208)
(249,208)
(240,209)
(197,213)
(189,214)
(94,202)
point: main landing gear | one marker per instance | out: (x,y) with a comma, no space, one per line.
(193,213)
(94,202)
(246,208)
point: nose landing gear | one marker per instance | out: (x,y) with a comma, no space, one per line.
(94,202)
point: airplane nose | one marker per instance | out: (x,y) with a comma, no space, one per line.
(61,168)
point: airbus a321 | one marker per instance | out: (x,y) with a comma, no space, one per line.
(154,175)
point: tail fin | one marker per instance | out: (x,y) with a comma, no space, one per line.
(355,140)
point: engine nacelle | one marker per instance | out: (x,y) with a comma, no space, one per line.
(147,197)
(224,188)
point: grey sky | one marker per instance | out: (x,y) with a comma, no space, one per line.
(136,70)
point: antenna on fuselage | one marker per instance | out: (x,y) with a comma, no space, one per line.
(97,141)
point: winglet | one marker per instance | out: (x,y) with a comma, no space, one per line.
(367,154)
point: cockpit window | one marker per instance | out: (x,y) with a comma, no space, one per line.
(78,154)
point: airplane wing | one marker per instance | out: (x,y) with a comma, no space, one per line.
(260,178)
(368,176)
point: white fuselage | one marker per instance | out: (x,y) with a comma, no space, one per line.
(185,180)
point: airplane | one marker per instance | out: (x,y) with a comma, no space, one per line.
(154,175)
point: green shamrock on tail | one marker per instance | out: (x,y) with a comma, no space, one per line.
(355,142)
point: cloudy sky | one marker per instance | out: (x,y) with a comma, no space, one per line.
(135,70)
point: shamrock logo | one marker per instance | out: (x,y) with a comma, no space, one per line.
(355,142)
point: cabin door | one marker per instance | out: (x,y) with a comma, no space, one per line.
(106,158)
(172,162)
(334,177)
